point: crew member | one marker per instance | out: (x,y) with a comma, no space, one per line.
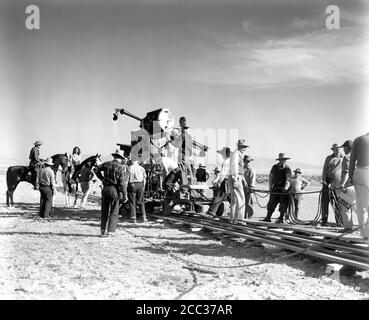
(298,184)
(359,175)
(136,188)
(47,186)
(279,183)
(236,181)
(111,173)
(331,177)
(250,182)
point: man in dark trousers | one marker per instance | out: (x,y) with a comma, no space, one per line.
(136,189)
(279,183)
(35,162)
(112,175)
(202,176)
(45,182)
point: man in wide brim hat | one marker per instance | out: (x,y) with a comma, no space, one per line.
(335,146)
(241,143)
(297,170)
(282,156)
(225,151)
(38,143)
(216,169)
(118,154)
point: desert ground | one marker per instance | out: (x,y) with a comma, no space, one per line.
(64,258)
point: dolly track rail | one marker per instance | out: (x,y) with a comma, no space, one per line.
(301,240)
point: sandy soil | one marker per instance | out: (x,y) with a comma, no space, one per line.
(65,258)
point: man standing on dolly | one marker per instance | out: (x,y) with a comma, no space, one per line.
(236,181)
(359,175)
(279,183)
(113,190)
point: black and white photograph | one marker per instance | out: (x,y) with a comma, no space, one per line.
(199,152)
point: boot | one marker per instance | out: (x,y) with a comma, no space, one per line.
(267,218)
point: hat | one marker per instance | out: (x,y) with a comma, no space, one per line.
(247,158)
(49,162)
(183,122)
(347,143)
(335,146)
(225,150)
(201,166)
(298,170)
(281,156)
(38,143)
(216,169)
(242,143)
(118,153)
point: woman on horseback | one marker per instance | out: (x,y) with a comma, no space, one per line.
(74,160)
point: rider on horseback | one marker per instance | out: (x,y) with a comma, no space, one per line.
(35,162)
(74,160)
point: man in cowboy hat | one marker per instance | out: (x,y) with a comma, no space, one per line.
(236,181)
(221,194)
(345,211)
(331,177)
(35,163)
(279,183)
(185,152)
(359,176)
(114,178)
(250,183)
(45,182)
(298,184)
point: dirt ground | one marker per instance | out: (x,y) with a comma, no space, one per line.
(65,258)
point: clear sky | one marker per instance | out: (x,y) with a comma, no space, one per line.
(268,68)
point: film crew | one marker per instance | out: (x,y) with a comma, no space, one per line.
(279,184)
(359,176)
(249,186)
(45,182)
(136,190)
(112,175)
(236,182)
(298,184)
(35,162)
(331,177)
(217,206)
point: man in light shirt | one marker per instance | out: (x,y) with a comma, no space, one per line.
(136,189)
(250,182)
(331,177)
(222,184)
(236,181)
(359,175)
(298,184)
(46,184)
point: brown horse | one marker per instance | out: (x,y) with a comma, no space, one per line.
(16,174)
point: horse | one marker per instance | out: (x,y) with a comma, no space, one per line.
(16,174)
(69,178)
